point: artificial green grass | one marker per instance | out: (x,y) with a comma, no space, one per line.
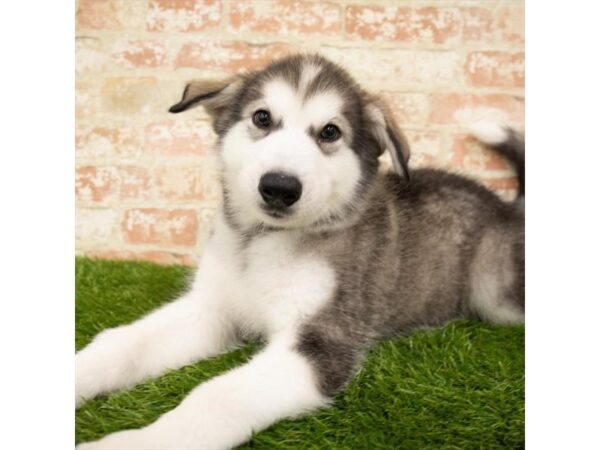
(459,387)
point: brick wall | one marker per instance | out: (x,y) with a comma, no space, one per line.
(145,180)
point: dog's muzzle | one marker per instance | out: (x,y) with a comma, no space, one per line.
(279,190)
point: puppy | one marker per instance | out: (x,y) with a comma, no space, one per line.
(315,251)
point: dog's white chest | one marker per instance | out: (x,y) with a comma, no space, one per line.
(277,286)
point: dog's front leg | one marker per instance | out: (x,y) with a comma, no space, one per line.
(173,336)
(186,330)
(224,412)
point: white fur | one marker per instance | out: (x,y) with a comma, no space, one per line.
(309,73)
(489,133)
(491,274)
(170,337)
(224,412)
(489,304)
(278,305)
(489,125)
(254,295)
(188,329)
(329,175)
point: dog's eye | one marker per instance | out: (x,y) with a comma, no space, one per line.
(330,133)
(262,119)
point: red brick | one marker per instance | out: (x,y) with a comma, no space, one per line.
(505,187)
(398,67)
(136,183)
(422,25)
(140,53)
(501,184)
(172,138)
(477,25)
(511,24)
(109,14)
(445,108)
(95,225)
(285,18)
(427,149)
(129,95)
(406,107)
(97,14)
(170,183)
(102,142)
(230,56)
(187,183)
(496,69)
(470,155)
(183,15)
(159,257)
(90,56)
(86,99)
(161,227)
(95,184)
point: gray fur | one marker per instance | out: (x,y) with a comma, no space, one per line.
(407,254)
(409,263)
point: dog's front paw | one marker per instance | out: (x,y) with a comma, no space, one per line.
(90,376)
(85,386)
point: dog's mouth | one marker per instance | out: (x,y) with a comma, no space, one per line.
(276,213)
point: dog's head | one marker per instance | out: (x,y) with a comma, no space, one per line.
(299,142)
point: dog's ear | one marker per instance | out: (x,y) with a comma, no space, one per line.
(388,135)
(215,96)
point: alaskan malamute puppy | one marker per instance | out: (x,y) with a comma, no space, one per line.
(315,251)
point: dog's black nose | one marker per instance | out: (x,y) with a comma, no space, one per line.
(279,190)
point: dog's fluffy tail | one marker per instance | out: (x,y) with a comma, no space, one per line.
(506,142)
